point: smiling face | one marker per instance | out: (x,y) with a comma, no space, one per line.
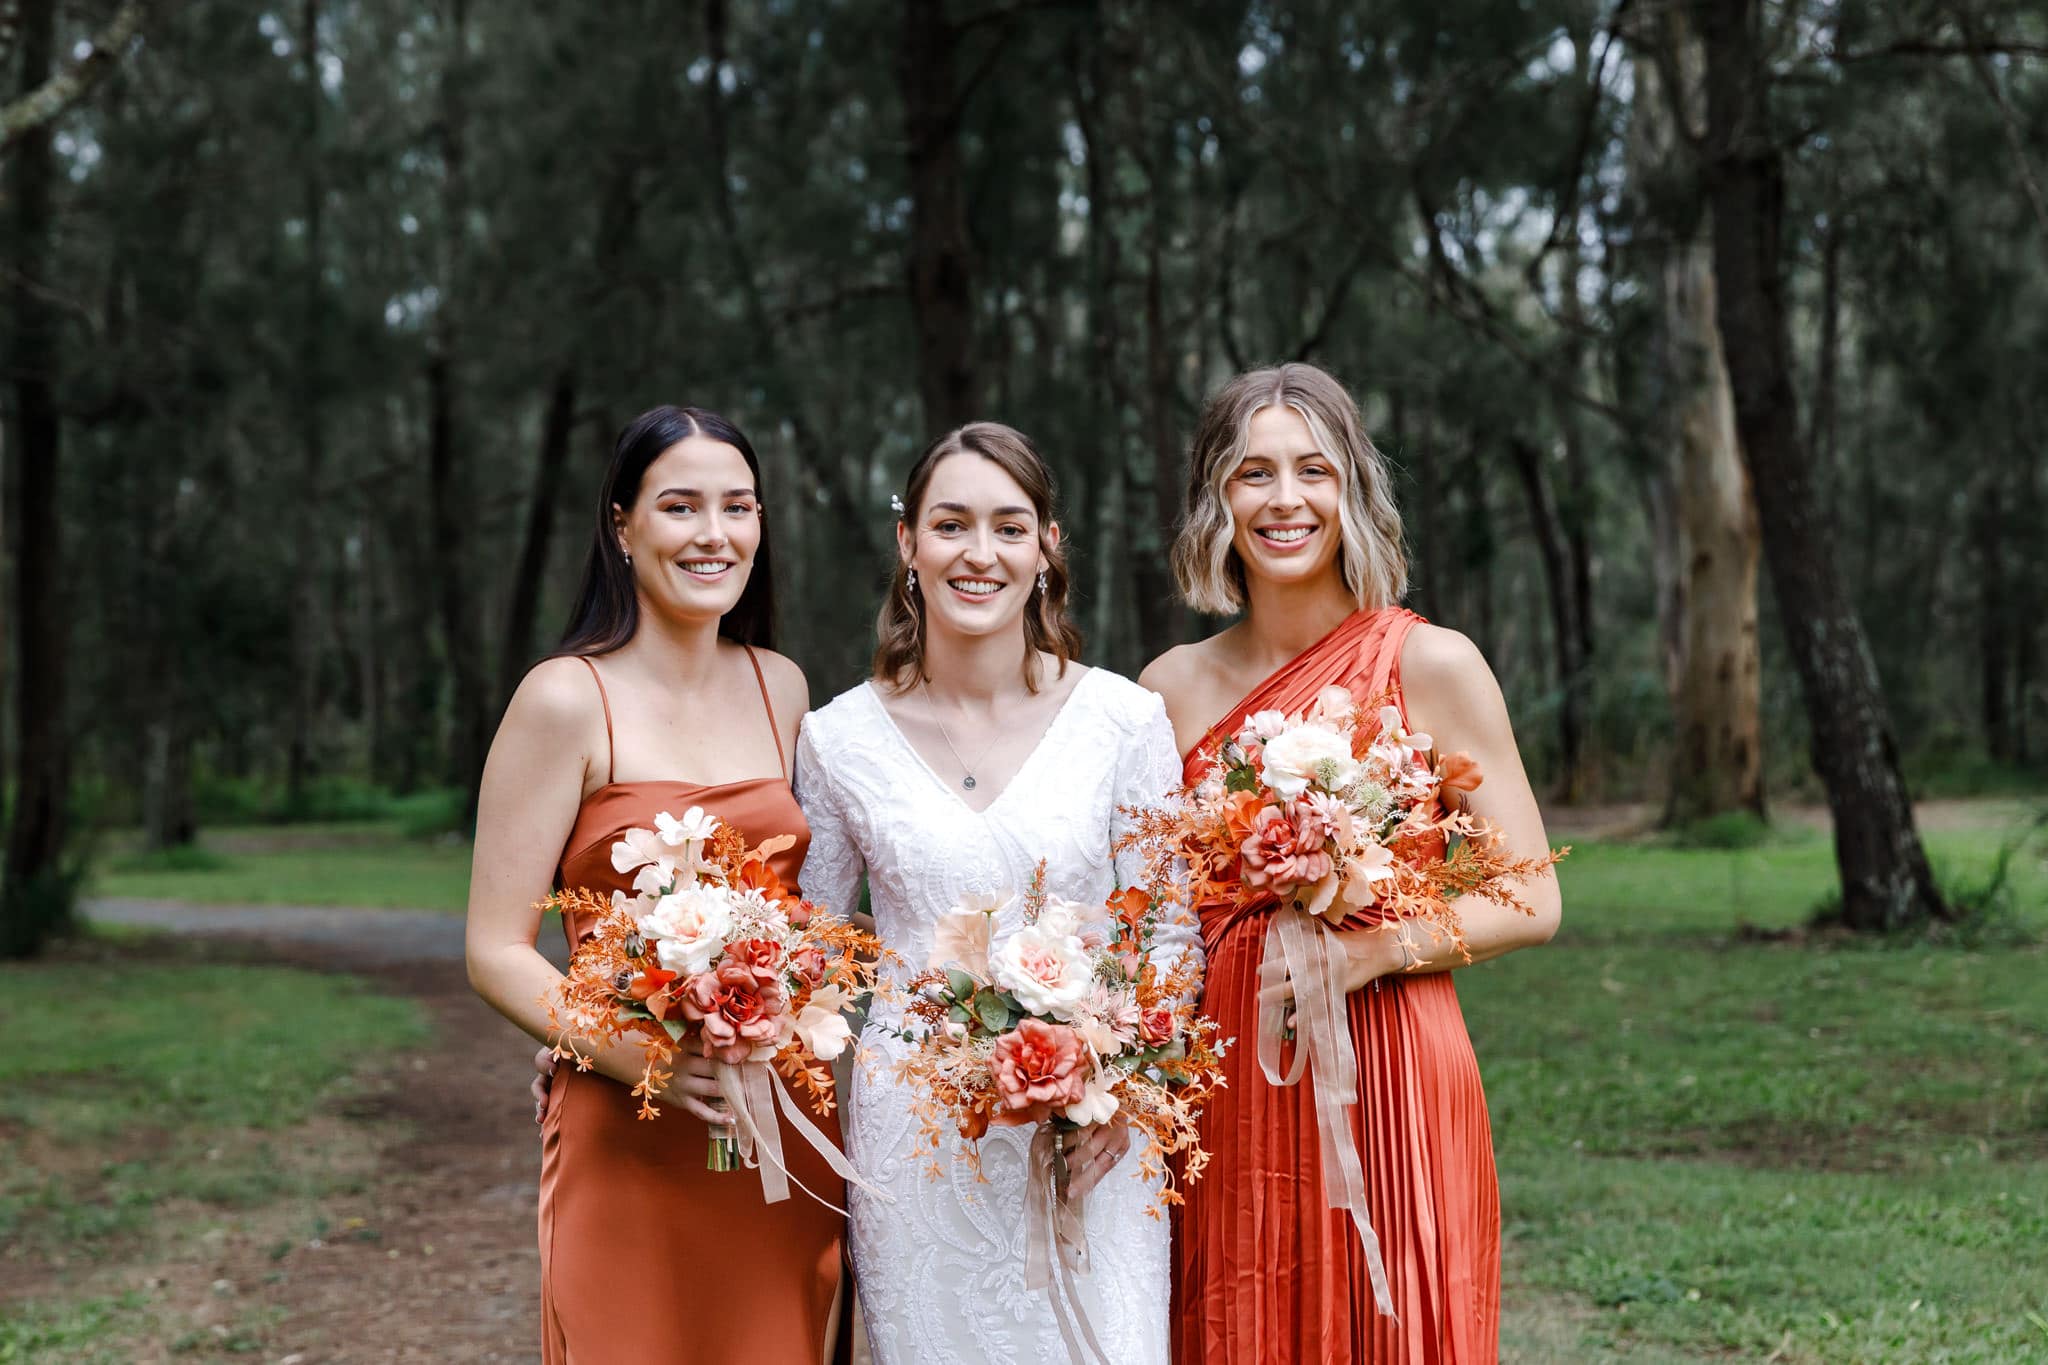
(693,529)
(1286,500)
(975,547)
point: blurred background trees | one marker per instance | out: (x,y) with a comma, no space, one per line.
(1706,338)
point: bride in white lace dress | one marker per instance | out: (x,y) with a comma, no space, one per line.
(978,750)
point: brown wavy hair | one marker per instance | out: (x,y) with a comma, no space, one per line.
(899,627)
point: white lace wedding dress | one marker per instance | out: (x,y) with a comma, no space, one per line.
(941,1269)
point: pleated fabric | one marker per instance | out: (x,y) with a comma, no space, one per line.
(1265,1273)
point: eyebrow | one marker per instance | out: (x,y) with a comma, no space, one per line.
(965,510)
(698,492)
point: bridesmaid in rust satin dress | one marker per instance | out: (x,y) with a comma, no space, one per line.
(646,1255)
(1290,519)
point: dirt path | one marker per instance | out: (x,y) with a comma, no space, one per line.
(435,1260)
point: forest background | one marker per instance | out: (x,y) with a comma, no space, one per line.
(1706,338)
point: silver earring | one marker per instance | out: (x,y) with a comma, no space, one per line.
(911,580)
(1041,582)
(627,555)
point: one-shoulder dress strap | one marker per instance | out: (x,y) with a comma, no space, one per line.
(611,755)
(773,728)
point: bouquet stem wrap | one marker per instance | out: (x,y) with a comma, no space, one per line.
(753,1092)
(1056,1244)
(1323,1045)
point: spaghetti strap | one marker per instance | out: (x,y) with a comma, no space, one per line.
(611,755)
(773,728)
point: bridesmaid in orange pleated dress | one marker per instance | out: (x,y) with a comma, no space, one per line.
(1290,519)
(662,696)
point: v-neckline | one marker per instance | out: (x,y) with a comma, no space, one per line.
(875,698)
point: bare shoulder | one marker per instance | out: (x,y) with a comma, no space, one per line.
(1437,660)
(786,682)
(556,696)
(1186,667)
(1449,690)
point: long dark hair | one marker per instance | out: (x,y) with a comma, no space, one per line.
(607,610)
(899,627)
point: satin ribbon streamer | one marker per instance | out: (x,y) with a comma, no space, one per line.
(753,1091)
(1056,1243)
(1323,1044)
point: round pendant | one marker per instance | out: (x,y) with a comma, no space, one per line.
(968,781)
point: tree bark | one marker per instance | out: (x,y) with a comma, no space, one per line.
(311,536)
(41,102)
(448,494)
(35,901)
(1708,529)
(1160,614)
(516,650)
(1886,882)
(940,269)
(1553,550)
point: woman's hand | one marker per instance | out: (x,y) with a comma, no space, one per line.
(1363,957)
(1093,1152)
(543,1082)
(693,1087)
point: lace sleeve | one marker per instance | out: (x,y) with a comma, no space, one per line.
(1148,772)
(833,865)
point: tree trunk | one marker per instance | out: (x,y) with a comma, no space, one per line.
(167,813)
(36,899)
(1994,623)
(940,264)
(1886,883)
(1705,521)
(311,537)
(448,493)
(516,650)
(1717,763)
(1160,615)
(1552,549)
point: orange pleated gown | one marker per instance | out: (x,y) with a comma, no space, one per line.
(1265,1273)
(646,1256)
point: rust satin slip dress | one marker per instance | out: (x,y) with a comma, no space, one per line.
(646,1256)
(1265,1273)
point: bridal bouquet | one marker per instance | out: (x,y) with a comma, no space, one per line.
(1071,1021)
(1336,815)
(714,954)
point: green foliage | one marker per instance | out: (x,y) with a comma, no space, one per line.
(1728,830)
(1694,1120)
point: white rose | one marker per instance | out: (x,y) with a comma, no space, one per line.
(688,928)
(1064,917)
(821,1025)
(1047,972)
(1296,759)
(1267,724)
(1099,1105)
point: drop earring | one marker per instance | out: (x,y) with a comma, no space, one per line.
(1041,582)
(910,580)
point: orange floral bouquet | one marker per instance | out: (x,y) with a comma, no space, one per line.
(1070,1021)
(1334,816)
(714,954)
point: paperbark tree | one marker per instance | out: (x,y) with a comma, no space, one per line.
(1886,882)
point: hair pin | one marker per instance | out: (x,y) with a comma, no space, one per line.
(896,506)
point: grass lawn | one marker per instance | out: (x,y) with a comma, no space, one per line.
(144,1107)
(1715,1144)
(1716,1141)
(367,864)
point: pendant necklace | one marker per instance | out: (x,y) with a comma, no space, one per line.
(965,767)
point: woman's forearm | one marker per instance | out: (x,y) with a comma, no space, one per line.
(518,982)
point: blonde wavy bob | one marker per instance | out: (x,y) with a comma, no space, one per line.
(1374,557)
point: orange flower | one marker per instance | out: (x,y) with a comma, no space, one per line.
(1039,1068)
(1458,772)
(650,988)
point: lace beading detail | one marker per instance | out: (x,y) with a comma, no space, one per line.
(941,1270)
